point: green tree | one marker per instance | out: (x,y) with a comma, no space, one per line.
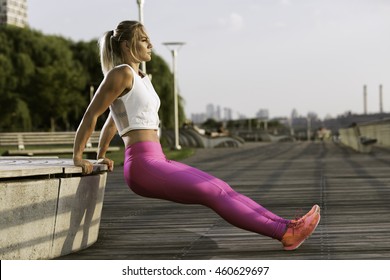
(40,80)
(87,54)
(15,114)
(58,86)
(211,125)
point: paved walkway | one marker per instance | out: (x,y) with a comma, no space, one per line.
(287,178)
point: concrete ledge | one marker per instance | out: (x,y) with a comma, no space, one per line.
(379,130)
(352,138)
(48,209)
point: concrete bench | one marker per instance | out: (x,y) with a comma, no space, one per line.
(47,208)
(47,143)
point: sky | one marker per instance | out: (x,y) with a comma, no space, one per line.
(247,55)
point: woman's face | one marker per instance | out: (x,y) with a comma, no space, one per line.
(144,47)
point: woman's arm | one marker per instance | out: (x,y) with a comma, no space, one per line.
(114,84)
(108,132)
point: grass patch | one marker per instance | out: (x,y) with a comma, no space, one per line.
(178,155)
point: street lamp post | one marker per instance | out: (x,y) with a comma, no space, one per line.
(141,20)
(140,10)
(174,48)
(308,128)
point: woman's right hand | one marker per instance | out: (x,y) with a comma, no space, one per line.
(86,165)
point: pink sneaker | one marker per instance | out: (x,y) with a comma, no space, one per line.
(314,209)
(299,230)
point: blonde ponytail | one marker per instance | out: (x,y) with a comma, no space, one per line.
(109,44)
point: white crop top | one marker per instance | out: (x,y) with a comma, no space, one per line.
(138,108)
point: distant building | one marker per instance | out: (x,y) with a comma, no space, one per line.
(213,112)
(210,111)
(228,114)
(217,113)
(263,114)
(294,114)
(198,118)
(13,12)
(241,116)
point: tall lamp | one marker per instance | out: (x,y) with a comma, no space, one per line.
(141,20)
(174,48)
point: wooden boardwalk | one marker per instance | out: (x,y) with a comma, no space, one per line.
(352,189)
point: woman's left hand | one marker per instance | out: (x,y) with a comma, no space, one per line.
(109,162)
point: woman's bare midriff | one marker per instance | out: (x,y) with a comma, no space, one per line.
(140,135)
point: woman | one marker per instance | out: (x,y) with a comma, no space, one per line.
(134,106)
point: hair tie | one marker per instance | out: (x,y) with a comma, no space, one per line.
(111,33)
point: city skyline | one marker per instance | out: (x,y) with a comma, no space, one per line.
(264,113)
(220,113)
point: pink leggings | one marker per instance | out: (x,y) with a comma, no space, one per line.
(148,173)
